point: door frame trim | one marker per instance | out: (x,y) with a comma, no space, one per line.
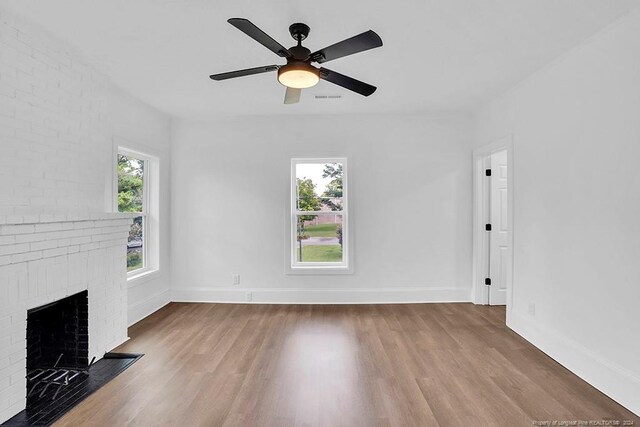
(479,291)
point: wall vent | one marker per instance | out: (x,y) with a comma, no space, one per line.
(328,96)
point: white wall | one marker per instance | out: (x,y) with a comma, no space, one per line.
(576,132)
(58,120)
(410,189)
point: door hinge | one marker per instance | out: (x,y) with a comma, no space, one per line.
(487,172)
(487,281)
(487,227)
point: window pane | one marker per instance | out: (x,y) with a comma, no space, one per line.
(135,252)
(130,184)
(319,238)
(319,186)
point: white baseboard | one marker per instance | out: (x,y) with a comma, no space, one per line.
(147,306)
(321,296)
(618,383)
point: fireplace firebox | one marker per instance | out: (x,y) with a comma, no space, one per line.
(59,375)
(59,332)
(57,346)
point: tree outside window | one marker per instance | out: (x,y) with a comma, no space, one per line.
(131,199)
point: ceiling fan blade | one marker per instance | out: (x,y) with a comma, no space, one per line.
(292,95)
(260,36)
(360,43)
(347,82)
(242,73)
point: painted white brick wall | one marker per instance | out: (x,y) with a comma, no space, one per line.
(52,124)
(59,118)
(42,262)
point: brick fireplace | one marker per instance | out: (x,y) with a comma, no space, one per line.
(67,259)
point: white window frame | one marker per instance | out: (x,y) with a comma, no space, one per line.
(149,263)
(295,267)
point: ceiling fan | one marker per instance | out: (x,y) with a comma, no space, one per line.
(298,73)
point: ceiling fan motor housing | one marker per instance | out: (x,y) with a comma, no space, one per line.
(299,53)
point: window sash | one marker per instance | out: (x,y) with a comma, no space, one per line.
(145,159)
(295,213)
(145,232)
(318,265)
(319,212)
(144,213)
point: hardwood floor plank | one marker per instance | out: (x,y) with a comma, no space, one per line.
(337,365)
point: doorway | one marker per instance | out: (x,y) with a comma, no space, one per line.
(493,223)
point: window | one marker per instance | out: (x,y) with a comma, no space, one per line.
(319,219)
(133,196)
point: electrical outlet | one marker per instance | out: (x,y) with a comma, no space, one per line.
(532,309)
(236,279)
(249,296)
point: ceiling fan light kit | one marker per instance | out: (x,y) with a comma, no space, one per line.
(298,73)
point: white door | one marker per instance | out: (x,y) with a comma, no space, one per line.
(499,236)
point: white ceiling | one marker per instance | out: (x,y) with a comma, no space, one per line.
(438,56)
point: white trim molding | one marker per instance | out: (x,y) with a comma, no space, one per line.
(151,206)
(148,306)
(611,379)
(292,266)
(479,291)
(390,295)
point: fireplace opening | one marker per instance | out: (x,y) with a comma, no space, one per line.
(58,334)
(59,374)
(57,347)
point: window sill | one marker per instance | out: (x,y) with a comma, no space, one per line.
(315,270)
(141,277)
